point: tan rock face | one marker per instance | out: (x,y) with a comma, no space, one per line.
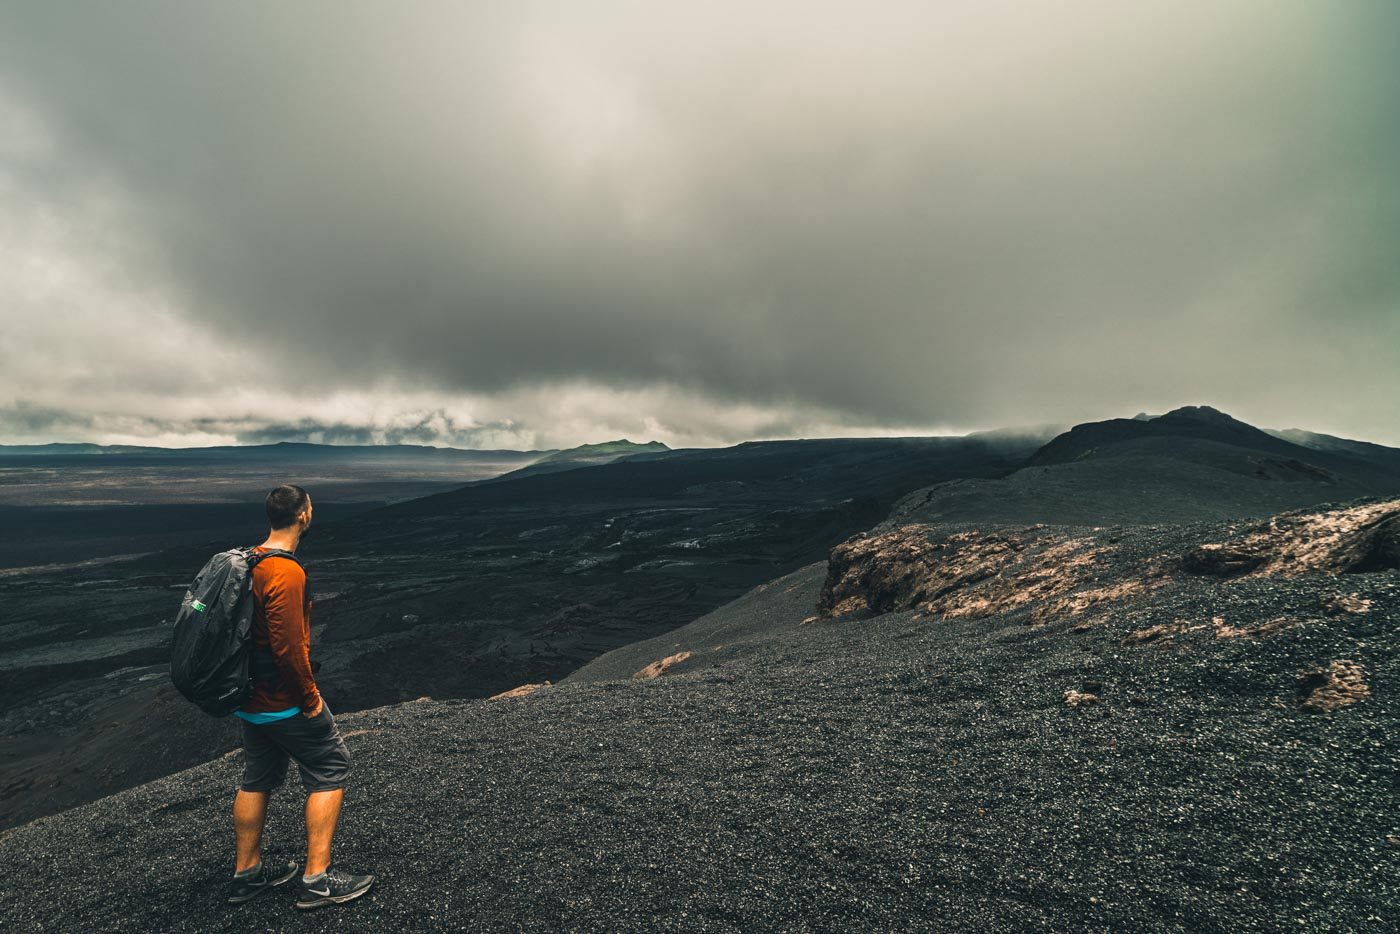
(973,574)
(1337,685)
(1338,541)
(656,668)
(520,691)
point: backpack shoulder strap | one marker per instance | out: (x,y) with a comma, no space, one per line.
(254,557)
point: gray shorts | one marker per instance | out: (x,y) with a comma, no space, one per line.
(314,742)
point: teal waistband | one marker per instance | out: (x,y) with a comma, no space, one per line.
(268,716)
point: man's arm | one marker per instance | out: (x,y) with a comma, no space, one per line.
(288,634)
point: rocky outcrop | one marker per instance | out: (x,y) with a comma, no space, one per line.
(1062,574)
(1338,541)
(656,668)
(977,573)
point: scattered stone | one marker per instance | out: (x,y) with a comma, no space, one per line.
(1224,630)
(1340,603)
(1324,689)
(1163,633)
(656,668)
(1080,698)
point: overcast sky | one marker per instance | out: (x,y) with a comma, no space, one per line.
(535,225)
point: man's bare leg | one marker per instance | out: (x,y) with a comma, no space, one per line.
(249,813)
(322,811)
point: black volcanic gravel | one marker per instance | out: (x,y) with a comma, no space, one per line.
(887,774)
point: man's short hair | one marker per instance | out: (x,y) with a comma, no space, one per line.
(284,504)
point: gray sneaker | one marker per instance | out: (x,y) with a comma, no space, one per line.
(268,875)
(332,888)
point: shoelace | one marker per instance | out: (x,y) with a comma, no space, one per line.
(337,875)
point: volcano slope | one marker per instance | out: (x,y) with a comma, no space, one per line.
(461,595)
(942,727)
(467,593)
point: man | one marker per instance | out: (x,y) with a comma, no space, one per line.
(285,717)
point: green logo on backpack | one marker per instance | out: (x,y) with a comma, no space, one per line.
(198,606)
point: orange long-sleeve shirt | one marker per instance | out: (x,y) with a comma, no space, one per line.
(282,623)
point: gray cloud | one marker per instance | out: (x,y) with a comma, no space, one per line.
(437,428)
(25,418)
(786,219)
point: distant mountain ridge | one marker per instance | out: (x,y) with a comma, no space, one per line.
(604,450)
(584,455)
(1182,432)
(281,449)
(1201,422)
(1365,450)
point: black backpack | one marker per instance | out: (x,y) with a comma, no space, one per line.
(212,642)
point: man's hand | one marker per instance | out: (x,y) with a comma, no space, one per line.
(319,704)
